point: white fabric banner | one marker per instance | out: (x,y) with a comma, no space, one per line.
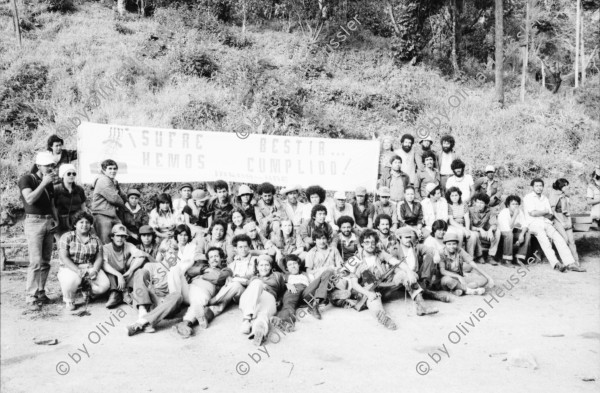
(158,155)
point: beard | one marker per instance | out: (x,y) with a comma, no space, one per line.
(458,172)
(406,148)
(446,149)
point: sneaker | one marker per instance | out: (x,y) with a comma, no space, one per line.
(69,306)
(576,268)
(493,262)
(246,326)
(202,322)
(314,311)
(184,329)
(442,297)
(422,310)
(458,292)
(42,298)
(149,329)
(478,291)
(135,329)
(258,339)
(560,267)
(385,320)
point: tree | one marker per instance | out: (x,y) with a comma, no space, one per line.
(16,21)
(525,50)
(499,85)
(577,48)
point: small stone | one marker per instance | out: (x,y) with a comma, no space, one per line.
(45,341)
(520,358)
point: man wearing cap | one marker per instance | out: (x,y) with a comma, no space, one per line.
(148,242)
(185,191)
(107,199)
(268,210)
(396,180)
(196,214)
(421,261)
(370,265)
(37,193)
(490,186)
(362,209)
(385,206)
(426,144)
(121,261)
(435,207)
(454,263)
(407,154)
(134,215)
(293,209)
(340,208)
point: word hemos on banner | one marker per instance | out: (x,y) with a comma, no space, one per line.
(156,155)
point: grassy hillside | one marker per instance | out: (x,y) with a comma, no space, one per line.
(184,69)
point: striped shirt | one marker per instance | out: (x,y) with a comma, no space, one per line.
(79,251)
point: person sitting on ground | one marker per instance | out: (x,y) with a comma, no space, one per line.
(490,186)
(161,219)
(362,209)
(207,280)
(322,262)
(121,262)
(221,206)
(69,199)
(426,148)
(317,221)
(410,212)
(340,208)
(236,226)
(134,215)
(459,219)
(435,207)
(447,156)
(461,181)
(148,242)
(185,191)
(316,196)
(561,209)
(385,234)
(259,244)
(258,303)
(245,202)
(538,213)
(396,181)
(454,264)
(293,209)
(421,261)
(593,196)
(483,226)
(370,266)
(80,255)
(268,210)
(426,175)
(296,282)
(514,234)
(197,215)
(434,244)
(385,206)
(176,250)
(216,237)
(288,242)
(107,199)
(347,238)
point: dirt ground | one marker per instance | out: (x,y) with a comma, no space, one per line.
(551,316)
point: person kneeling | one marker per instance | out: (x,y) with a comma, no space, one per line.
(454,264)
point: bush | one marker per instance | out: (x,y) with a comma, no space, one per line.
(122,29)
(62,6)
(198,115)
(197,64)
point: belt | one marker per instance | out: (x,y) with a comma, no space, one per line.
(49,216)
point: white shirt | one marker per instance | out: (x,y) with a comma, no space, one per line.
(409,253)
(464,184)
(434,211)
(504,220)
(295,216)
(445,162)
(532,202)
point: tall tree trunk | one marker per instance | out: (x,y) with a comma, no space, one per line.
(499,91)
(121,7)
(525,50)
(577,32)
(17,22)
(454,19)
(583,65)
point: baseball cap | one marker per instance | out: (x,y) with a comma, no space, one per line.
(450,237)
(339,195)
(44,158)
(360,191)
(146,230)
(119,229)
(384,192)
(490,168)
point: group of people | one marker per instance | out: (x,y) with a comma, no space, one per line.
(428,231)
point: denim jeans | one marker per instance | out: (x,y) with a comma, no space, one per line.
(39,244)
(103,226)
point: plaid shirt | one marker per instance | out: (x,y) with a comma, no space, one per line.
(78,251)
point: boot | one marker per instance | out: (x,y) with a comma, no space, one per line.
(385,320)
(115,299)
(421,309)
(560,267)
(184,329)
(442,297)
(314,309)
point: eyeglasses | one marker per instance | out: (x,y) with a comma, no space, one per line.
(71,174)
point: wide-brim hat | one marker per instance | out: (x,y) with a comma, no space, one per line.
(450,237)
(244,190)
(200,195)
(289,189)
(404,231)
